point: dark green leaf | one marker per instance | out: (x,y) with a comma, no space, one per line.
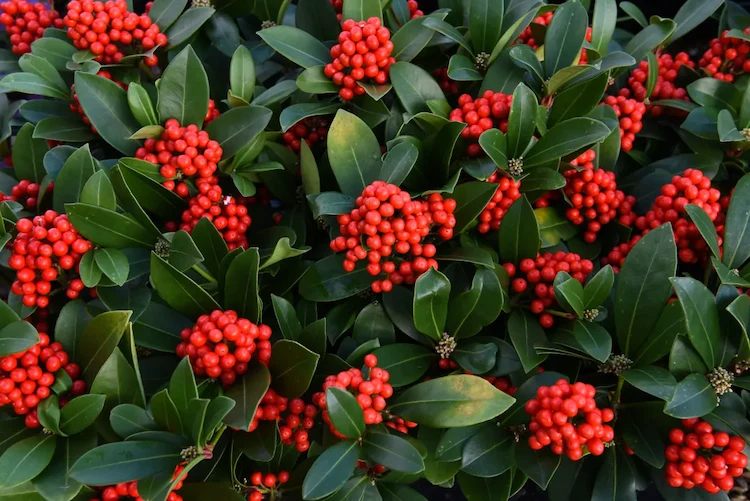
(644,440)
(414,87)
(109,228)
(413,36)
(565,36)
(238,127)
(212,246)
(471,198)
(475,357)
(296,45)
(318,18)
(683,359)
(182,388)
(292,366)
(519,233)
(716,94)
(649,38)
(70,181)
(594,339)
(247,392)
(314,81)
(431,292)
(327,280)
(736,239)
(671,323)
(521,121)
(183,252)
(485,489)
(354,153)
(26,459)
(113,264)
(241,293)
(165,412)
(569,293)
(98,191)
(125,461)
(693,397)
(286,317)
(187,24)
(28,155)
(476,308)
(48,413)
(597,290)
(345,413)
(98,341)
(183,90)
(261,445)
(16,337)
(539,466)
(373,323)
(406,363)
(294,113)
(489,453)
(331,470)
(140,105)
(525,333)
(652,380)
(399,163)
(128,419)
(691,14)
(702,320)
(393,452)
(615,479)
(80,413)
(565,138)
(55,483)
(165,12)
(179,291)
(603,25)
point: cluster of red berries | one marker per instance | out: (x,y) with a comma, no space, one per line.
(310,130)
(413,5)
(25,22)
(483,113)
(698,456)
(101,26)
(212,113)
(616,257)
(371,393)
(665,87)
(527,37)
(299,419)
(692,187)
(266,482)
(26,193)
(540,273)
(507,192)
(630,114)
(182,152)
(364,49)
(75,104)
(129,490)
(228,214)
(376,469)
(449,86)
(594,197)
(43,248)
(392,222)
(220,345)
(401,425)
(726,57)
(26,377)
(565,417)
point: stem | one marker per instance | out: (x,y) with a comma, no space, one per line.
(218,436)
(203,273)
(618,391)
(280,17)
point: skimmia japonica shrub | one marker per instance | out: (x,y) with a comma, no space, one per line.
(350,249)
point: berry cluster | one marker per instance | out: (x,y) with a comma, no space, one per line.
(26,193)
(665,87)
(401,425)
(298,421)
(44,248)
(182,152)
(212,113)
(129,490)
(449,86)
(310,130)
(484,113)
(107,28)
(391,221)
(264,483)
(371,393)
(540,273)
(228,214)
(630,113)
(364,49)
(25,22)
(527,37)
(726,57)
(565,417)
(507,192)
(692,187)
(699,456)
(220,345)
(26,377)
(75,104)
(594,197)
(616,257)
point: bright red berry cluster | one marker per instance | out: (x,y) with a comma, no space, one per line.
(665,87)
(630,113)
(310,130)
(228,214)
(565,417)
(26,377)
(371,393)
(392,222)
(266,482)
(43,248)
(401,425)
(26,193)
(616,257)
(364,49)
(75,104)
(507,192)
(25,22)
(540,273)
(212,113)
(182,152)
(692,187)
(594,197)
(220,345)
(107,28)
(298,420)
(481,114)
(527,37)
(699,456)
(129,490)
(726,57)
(449,86)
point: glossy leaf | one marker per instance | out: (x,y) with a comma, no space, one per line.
(702,320)
(488,453)
(331,470)
(693,397)
(431,292)
(124,461)
(736,241)
(565,36)
(292,366)
(247,392)
(476,308)
(26,459)
(526,333)
(594,339)
(16,337)
(393,452)
(99,339)
(296,45)
(345,413)
(652,380)
(238,127)
(178,290)
(80,413)
(354,153)
(565,138)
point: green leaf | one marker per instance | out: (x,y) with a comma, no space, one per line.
(164,13)
(488,453)
(569,293)
(477,307)
(30,83)
(63,129)
(183,252)
(183,90)
(539,466)
(683,359)
(476,357)
(449,31)
(292,366)
(671,323)
(129,419)
(206,490)
(603,25)
(485,489)
(652,380)
(247,392)
(736,239)
(451,401)
(634,13)
(431,292)
(327,281)
(345,413)
(48,412)
(296,45)
(594,339)
(314,81)
(71,323)
(565,138)
(373,323)
(399,163)
(80,413)
(716,94)
(70,181)
(644,440)
(331,470)
(212,246)
(565,36)
(597,290)
(518,237)
(113,264)
(727,128)
(291,115)
(493,143)
(406,363)
(286,317)
(56,52)
(485,23)
(238,127)
(241,293)
(693,397)
(106,105)
(393,452)
(98,341)
(261,445)
(125,461)
(165,412)
(109,228)
(414,87)
(28,155)
(578,99)
(525,333)
(54,483)
(26,459)
(140,105)
(691,14)
(354,153)
(616,479)
(178,290)
(361,10)
(218,409)
(182,388)
(98,191)
(521,121)
(643,287)
(471,199)
(187,24)
(702,319)
(318,18)
(16,337)
(649,38)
